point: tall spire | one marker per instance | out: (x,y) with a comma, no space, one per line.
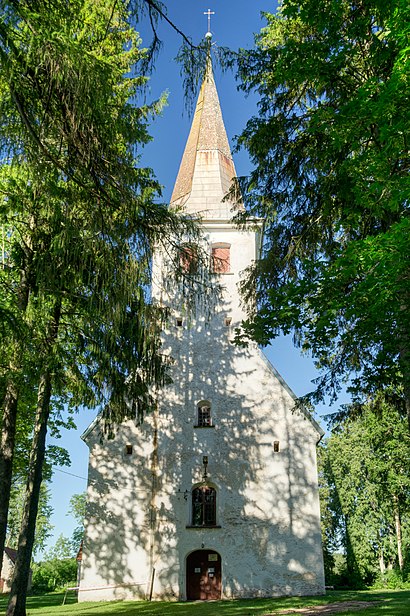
(207,168)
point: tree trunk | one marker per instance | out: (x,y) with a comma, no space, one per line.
(404,363)
(406,389)
(7,441)
(21,576)
(397,522)
(381,562)
(18,594)
(9,419)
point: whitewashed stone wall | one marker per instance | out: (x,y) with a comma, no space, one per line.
(267,503)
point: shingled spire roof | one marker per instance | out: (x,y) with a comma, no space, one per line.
(207,168)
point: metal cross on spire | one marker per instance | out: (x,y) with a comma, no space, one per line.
(209,13)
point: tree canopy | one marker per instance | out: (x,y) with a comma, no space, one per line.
(365,487)
(80,218)
(331,180)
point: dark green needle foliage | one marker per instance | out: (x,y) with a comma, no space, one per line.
(79,220)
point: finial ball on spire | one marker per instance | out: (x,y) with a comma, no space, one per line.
(208,35)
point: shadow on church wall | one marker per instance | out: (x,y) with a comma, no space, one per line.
(267,502)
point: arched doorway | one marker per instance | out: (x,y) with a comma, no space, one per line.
(203,575)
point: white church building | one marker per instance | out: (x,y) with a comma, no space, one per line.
(215,495)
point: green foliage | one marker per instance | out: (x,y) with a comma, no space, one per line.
(81,216)
(365,494)
(43,527)
(328,518)
(61,550)
(78,504)
(54,456)
(80,220)
(392,579)
(77,509)
(54,573)
(331,179)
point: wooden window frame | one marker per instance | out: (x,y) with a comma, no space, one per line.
(203,503)
(188,258)
(219,265)
(204,415)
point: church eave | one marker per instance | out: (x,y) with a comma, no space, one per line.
(90,428)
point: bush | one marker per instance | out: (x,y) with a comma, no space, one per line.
(341,578)
(52,574)
(393,579)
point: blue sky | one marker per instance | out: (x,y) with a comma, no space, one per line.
(233,25)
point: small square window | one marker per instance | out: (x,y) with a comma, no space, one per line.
(228,321)
(128,450)
(179,322)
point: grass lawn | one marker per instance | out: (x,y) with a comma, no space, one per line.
(394,603)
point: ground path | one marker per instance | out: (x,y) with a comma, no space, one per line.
(330,608)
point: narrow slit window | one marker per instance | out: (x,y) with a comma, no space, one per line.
(276,447)
(128,450)
(179,322)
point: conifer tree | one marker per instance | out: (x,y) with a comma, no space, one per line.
(80,219)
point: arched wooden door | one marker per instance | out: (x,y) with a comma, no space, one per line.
(203,575)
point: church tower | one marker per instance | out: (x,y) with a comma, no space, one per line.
(216,494)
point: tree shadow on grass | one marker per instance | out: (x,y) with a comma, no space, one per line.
(40,602)
(395,603)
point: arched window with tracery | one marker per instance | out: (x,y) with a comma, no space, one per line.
(204,417)
(221,258)
(204,506)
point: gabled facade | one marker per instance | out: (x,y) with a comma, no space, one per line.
(215,495)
